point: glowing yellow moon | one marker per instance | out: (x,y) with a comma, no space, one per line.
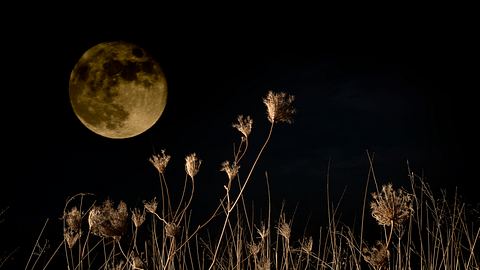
(117,90)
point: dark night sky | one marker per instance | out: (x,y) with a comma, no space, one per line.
(402,90)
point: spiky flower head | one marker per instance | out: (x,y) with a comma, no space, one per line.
(192,164)
(138,217)
(231,170)
(151,206)
(279,107)
(244,125)
(160,161)
(106,221)
(390,207)
(377,256)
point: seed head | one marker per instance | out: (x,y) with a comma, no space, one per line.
(137,262)
(231,170)
(254,248)
(160,161)
(151,206)
(263,232)
(73,219)
(171,229)
(192,164)
(307,245)
(391,207)
(377,256)
(71,237)
(138,217)
(284,228)
(106,221)
(244,125)
(279,107)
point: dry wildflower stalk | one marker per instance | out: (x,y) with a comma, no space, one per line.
(264,264)
(279,107)
(263,232)
(106,221)
(231,170)
(72,232)
(160,161)
(192,164)
(151,206)
(244,125)
(284,228)
(71,237)
(254,248)
(391,207)
(171,229)
(137,263)
(138,217)
(377,256)
(307,245)
(73,219)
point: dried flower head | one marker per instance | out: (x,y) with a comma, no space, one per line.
(151,206)
(263,264)
(254,248)
(73,219)
(171,229)
(231,170)
(137,262)
(192,164)
(119,266)
(244,125)
(72,230)
(160,161)
(262,232)
(283,228)
(377,256)
(138,217)
(71,236)
(307,245)
(106,221)
(391,207)
(279,107)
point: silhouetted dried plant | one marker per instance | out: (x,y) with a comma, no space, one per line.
(106,221)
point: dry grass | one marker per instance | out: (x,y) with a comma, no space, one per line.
(418,229)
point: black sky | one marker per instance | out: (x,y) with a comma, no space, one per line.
(402,89)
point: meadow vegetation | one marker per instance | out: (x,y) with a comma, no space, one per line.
(418,229)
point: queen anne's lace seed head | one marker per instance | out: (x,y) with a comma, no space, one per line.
(279,107)
(192,164)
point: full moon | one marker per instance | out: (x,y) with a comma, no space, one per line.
(117,90)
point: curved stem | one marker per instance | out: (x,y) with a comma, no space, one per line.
(230,208)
